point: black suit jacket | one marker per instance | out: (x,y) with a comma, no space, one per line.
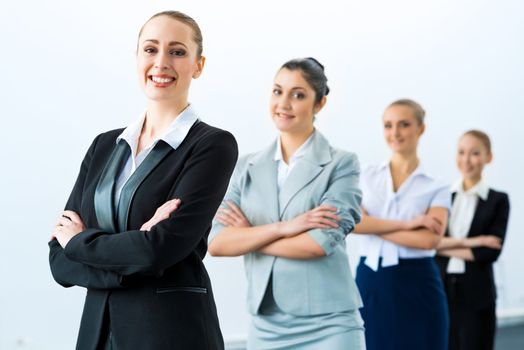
(151,285)
(476,287)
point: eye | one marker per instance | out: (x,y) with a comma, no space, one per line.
(277,92)
(177,53)
(404,124)
(387,126)
(149,50)
(299,95)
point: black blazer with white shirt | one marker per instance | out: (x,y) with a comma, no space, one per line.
(152,286)
(476,287)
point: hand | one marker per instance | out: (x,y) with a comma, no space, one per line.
(161,213)
(232,216)
(69,225)
(322,216)
(427,221)
(488,241)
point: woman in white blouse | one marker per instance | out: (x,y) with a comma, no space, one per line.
(405,212)
(477,227)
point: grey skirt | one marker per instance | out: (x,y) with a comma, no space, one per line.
(272,328)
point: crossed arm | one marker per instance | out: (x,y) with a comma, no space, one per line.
(423,232)
(169,238)
(288,239)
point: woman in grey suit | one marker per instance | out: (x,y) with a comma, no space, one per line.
(288,209)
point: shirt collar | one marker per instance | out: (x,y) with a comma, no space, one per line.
(419,170)
(173,136)
(299,153)
(481,189)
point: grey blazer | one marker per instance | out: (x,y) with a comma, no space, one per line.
(323,176)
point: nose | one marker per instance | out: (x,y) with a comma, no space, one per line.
(161,61)
(396,130)
(283,102)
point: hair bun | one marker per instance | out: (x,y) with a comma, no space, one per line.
(317,62)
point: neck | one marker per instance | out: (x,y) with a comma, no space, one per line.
(405,163)
(470,182)
(159,116)
(291,142)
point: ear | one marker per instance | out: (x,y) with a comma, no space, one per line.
(199,67)
(320,105)
(490,158)
(422,129)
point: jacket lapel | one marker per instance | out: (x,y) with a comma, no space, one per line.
(478,216)
(104,194)
(305,170)
(152,160)
(262,171)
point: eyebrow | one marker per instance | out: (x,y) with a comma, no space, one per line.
(171,43)
(293,88)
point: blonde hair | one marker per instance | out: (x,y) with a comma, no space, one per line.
(181,17)
(417,109)
(481,136)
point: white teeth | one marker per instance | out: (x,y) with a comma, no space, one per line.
(162,80)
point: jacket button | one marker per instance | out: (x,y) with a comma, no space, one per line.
(333,244)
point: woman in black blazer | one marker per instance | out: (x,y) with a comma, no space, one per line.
(147,287)
(473,242)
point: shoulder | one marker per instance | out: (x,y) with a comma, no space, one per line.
(498,196)
(433,183)
(106,139)
(371,171)
(344,159)
(204,132)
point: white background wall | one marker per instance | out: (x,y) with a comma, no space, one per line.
(68,73)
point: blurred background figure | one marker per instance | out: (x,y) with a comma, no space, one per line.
(405,211)
(288,210)
(473,242)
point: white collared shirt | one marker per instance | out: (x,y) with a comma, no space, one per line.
(418,193)
(285,169)
(174,135)
(461,216)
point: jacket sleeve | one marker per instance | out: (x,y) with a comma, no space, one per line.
(201,187)
(233,193)
(497,228)
(344,194)
(70,273)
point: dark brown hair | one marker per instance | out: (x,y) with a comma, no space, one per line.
(313,72)
(182,17)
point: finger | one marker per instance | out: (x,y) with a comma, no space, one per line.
(64,222)
(329,214)
(437,220)
(229,213)
(235,208)
(166,205)
(325,221)
(321,225)
(73,216)
(224,220)
(325,207)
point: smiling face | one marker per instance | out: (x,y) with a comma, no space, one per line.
(472,156)
(402,130)
(167,60)
(292,103)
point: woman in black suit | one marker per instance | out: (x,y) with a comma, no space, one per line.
(147,287)
(473,242)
